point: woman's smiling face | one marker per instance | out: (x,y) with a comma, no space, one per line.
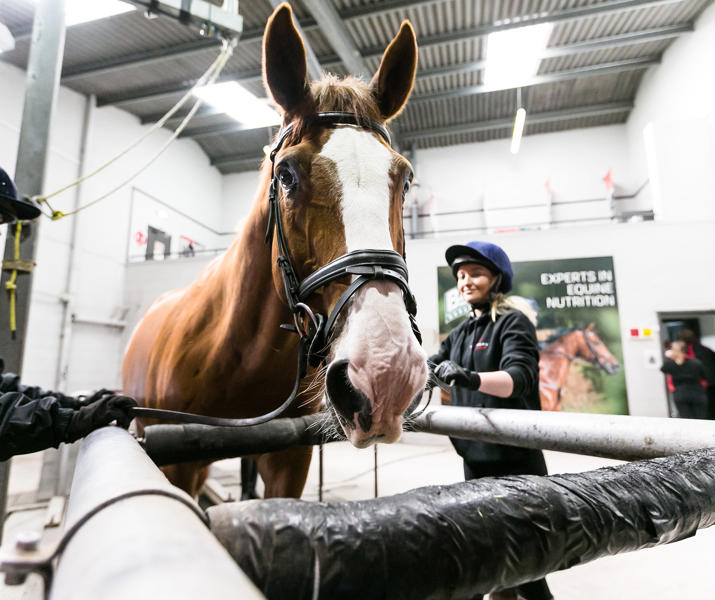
(474,282)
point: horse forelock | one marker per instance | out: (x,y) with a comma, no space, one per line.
(334,94)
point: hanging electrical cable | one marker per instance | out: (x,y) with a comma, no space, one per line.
(209,77)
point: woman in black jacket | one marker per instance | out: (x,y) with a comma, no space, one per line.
(492,360)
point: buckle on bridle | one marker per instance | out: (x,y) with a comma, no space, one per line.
(306,311)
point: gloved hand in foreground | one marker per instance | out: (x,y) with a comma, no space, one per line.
(100,412)
(451,373)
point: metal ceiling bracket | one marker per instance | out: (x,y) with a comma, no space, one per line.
(209,19)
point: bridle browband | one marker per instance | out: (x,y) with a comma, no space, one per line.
(313,328)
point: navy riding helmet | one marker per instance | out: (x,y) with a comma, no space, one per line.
(483,253)
(11,206)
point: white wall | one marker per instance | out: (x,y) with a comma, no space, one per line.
(677,100)
(486,175)
(182,176)
(239,192)
(654,272)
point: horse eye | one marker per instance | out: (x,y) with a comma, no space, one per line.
(406,187)
(286,177)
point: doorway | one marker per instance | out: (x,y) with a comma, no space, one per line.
(701,323)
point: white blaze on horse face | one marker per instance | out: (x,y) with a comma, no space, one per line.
(385,363)
(363,166)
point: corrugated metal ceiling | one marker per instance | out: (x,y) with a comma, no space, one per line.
(598,53)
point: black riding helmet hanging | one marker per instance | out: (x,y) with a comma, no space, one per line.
(11,206)
(486,254)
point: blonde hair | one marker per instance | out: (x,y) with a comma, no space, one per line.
(501,304)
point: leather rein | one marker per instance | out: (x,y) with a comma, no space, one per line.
(313,328)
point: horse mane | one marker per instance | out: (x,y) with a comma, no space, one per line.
(559,333)
(200,321)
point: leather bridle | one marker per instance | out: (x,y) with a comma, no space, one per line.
(313,328)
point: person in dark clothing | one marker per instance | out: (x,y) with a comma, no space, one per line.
(492,360)
(32,419)
(11,206)
(688,374)
(707,357)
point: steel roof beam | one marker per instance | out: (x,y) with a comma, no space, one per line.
(594,110)
(309,24)
(140,59)
(338,35)
(618,66)
(610,6)
(239,160)
(648,35)
(600,69)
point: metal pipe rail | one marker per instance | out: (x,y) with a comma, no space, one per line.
(609,436)
(130,532)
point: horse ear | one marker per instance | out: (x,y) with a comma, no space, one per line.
(590,327)
(285,74)
(392,83)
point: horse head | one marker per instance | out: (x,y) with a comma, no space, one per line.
(336,208)
(595,351)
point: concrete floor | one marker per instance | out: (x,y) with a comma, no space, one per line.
(671,572)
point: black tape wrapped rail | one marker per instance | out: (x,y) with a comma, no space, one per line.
(456,541)
(171,444)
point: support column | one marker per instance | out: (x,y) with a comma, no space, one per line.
(43,77)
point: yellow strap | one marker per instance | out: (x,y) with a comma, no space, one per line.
(10,285)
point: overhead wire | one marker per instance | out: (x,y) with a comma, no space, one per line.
(209,77)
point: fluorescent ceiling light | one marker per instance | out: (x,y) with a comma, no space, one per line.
(513,55)
(240,104)
(82,11)
(7,42)
(519,120)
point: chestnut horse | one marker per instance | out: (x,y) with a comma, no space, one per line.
(555,361)
(324,237)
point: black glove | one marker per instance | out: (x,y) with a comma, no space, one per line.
(96,396)
(80,401)
(98,414)
(451,373)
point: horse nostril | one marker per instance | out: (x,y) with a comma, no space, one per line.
(345,397)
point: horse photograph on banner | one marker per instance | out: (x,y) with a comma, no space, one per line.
(577,325)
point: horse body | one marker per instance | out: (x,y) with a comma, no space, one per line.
(555,361)
(217,348)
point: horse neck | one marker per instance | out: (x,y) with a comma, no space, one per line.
(245,272)
(565,345)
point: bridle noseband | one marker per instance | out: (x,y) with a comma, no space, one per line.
(366,265)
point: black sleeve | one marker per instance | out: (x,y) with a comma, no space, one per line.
(520,353)
(699,369)
(10,382)
(444,350)
(30,424)
(668,365)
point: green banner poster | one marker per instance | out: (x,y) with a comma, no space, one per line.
(578,328)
